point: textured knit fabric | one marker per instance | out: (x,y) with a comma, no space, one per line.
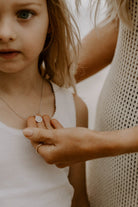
(113,182)
(25,178)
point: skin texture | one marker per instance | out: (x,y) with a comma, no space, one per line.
(98,44)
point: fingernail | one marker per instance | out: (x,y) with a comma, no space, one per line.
(28,132)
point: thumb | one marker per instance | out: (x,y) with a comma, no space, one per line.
(39,135)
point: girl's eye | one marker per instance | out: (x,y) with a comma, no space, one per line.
(25,14)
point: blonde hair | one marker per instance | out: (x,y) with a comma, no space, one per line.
(116,9)
(60,51)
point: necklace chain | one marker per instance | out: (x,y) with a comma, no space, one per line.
(17,114)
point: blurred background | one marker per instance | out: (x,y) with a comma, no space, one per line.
(90,88)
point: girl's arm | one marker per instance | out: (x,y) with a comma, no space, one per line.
(97,50)
(77,174)
(78,180)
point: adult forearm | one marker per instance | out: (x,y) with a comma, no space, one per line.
(65,147)
(129,140)
(97,50)
(112,143)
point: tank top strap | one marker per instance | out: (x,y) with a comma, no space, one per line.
(65,111)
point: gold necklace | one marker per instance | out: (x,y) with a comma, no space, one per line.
(37,115)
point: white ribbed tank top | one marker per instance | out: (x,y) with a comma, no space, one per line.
(113,182)
(26,180)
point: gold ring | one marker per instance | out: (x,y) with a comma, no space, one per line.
(38,146)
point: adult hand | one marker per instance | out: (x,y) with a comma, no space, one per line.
(46,146)
(45,124)
(65,147)
(60,146)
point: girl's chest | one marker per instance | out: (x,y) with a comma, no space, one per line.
(10,119)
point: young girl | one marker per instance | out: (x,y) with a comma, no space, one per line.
(113,181)
(35,33)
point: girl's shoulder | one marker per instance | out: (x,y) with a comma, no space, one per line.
(81,111)
(68,97)
(61,92)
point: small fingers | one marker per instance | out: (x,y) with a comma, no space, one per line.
(41,125)
(47,122)
(31,122)
(56,124)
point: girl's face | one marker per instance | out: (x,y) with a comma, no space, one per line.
(23,29)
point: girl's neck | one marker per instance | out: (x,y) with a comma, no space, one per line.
(23,92)
(22,82)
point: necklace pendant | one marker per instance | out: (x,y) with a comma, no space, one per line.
(38,119)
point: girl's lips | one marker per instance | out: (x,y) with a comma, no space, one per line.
(8,54)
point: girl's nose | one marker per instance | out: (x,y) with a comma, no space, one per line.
(7,32)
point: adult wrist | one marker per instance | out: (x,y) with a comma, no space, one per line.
(119,142)
(106,144)
(129,140)
(103,144)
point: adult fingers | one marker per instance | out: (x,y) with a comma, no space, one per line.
(56,124)
(61,165)
(40,135)
(64,164)
(46,119)
(36,145)
(31,122)
(48,152)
